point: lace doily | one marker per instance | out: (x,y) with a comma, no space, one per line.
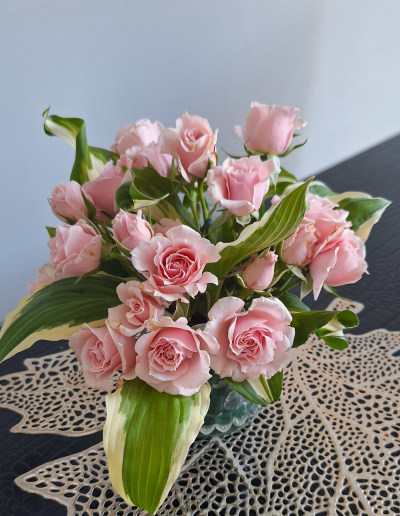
(330,446)
(52,397)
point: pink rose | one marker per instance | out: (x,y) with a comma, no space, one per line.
(138,311)
(101,190)
(142,156)
(253,342)
(75,250)
(102,353)
(240,185)
(298,248)
(174,358)
(259,271)
(192,144)
(134,135)
(173,264)
(341,260)
(130,229)
(320,222)
(67,203)
(164,225)
(269,129)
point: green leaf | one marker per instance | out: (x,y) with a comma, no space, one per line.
(281,223)
(289,151)
(306,323)
(182,212)
(173,170)
(51,231)
(275,385)
(90,208)
(284,180)
(147,437)
(220,221)
(306,287)
(57,310)
(293,303)
(319,188)
(259,391)
(364,210)
(123,198)
(361,210)
(103,155)
(73,131)
(150,184)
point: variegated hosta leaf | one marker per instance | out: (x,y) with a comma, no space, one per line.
(57,310)
(147,437)
(364,210)
(280,223)
(89,161)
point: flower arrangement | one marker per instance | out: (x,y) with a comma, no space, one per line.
(158,285)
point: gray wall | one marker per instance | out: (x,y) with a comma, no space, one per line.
(113,62)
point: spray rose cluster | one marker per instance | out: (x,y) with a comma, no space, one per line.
(145,218)
(169,267)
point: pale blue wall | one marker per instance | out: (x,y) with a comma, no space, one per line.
(113,62)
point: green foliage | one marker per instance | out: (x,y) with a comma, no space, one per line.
(293,303)
(309,322)
(360,210)
(63,303)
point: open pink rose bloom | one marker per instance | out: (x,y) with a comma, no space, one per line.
(182,283)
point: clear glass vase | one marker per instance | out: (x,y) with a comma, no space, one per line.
(228,410)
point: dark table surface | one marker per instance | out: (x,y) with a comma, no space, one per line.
(377,172)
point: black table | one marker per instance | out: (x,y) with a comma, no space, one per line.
(376,171)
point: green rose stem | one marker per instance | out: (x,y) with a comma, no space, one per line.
(203,201)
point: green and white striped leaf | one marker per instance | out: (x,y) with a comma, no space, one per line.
(320,188)
(327,325)
(278,224)
(89,161)
(259,391)
(57,310)
(147,437)
(364,210)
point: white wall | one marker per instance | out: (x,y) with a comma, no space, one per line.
(113,62)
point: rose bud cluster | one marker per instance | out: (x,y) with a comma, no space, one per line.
(324,242)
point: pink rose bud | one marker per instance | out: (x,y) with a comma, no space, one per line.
(253,342)
(192,144)
(240,185)
(102,353)
(75,250)
(269,129)
(101,190)
(66,202)
(138,311)
(134,135)
(173,264)
(142,156)
(130,229)
(174,358)
(164,225)
(341,260)
(259,272)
